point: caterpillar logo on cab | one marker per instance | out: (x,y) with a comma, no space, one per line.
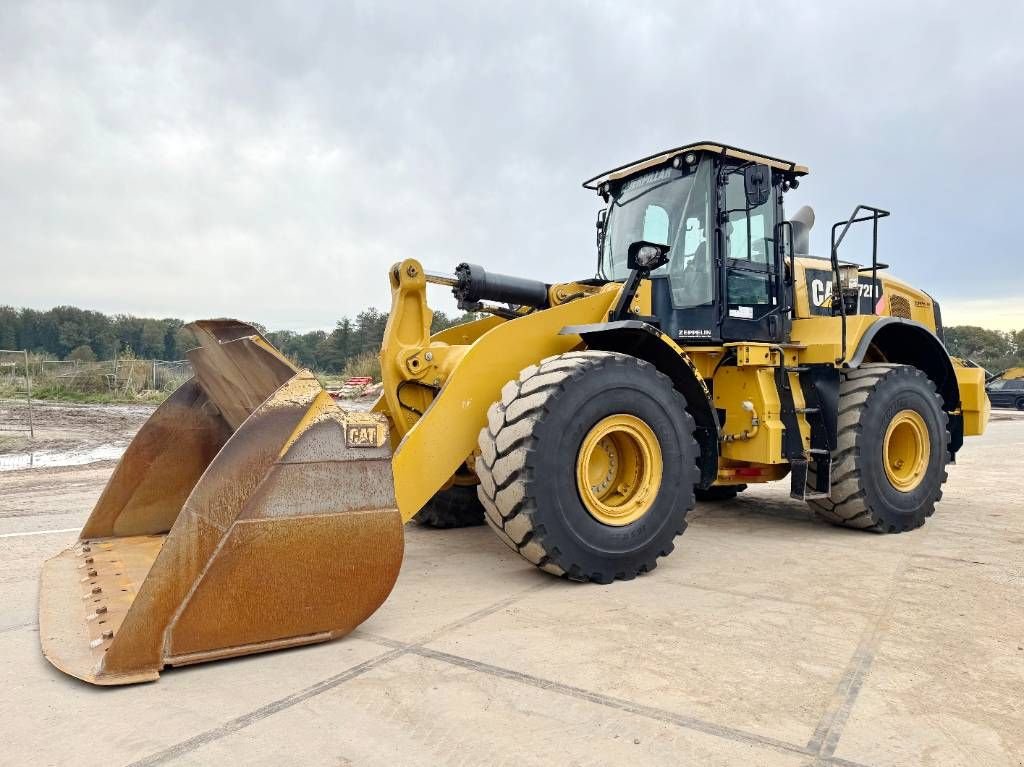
(819,292)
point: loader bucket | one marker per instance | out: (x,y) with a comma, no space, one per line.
(249,513)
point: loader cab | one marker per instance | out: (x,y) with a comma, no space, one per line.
(719,211)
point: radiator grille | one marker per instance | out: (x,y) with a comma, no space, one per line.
(899,306)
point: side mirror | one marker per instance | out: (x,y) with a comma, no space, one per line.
(757,183)
(646,256)
(602,217)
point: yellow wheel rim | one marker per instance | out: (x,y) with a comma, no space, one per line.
(906,450)
(618,469)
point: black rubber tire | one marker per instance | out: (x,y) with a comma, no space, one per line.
(527,465)
(718,492)
(458,506)
(862,496)
(1020,403)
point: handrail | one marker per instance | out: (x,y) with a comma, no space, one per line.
(876,214)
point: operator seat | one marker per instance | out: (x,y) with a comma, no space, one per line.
(693,286)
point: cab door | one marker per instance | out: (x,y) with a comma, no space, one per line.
(750,261)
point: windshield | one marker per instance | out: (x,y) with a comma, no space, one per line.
(668,207)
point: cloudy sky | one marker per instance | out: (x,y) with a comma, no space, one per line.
(270,160)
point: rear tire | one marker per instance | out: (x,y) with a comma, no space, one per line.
(458,506)
(536,440)
(867,493)
(718,493)
(1020,403)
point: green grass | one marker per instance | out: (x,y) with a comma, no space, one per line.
(366,364)
(56,394)
(9,443)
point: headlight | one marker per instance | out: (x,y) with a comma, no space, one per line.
(849,277)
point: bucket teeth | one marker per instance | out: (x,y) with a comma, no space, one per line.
(249,513)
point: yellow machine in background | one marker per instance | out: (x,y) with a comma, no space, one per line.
(581,420)
(1011,374)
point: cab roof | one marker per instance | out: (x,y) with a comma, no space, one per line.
(701,146)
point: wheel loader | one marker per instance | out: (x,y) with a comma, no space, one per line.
(580,420)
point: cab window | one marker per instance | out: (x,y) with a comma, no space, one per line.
(656,224)
(742,247)
(749,250)
(690,269)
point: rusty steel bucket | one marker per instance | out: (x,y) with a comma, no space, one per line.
(249,513)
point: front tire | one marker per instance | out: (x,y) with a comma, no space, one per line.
(890,462)
(1020,403)
(588,464)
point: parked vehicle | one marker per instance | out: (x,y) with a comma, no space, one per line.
(1006,392)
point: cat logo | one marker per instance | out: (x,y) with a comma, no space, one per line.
(365,434)
(820,296)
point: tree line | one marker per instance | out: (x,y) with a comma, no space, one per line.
(67,332)
(994,350)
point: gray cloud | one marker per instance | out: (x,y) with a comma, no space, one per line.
(198,159)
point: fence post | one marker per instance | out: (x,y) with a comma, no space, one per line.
(28,388)
(16,393)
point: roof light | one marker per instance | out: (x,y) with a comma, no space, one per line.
(690,158)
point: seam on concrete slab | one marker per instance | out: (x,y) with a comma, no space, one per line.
(621,704)
(243,721)
(770,598)
(240,722)
(546,582)
(18,627)
(835,761)
(833,721)
(837,712)
(961,560)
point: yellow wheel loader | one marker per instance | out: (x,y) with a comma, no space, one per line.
(581,420)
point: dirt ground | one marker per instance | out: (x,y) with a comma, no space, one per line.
(766,638)
(67,434)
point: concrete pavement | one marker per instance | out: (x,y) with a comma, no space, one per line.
(766,638)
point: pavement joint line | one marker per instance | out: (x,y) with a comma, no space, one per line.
(232,726)
(18,627)
(771,598)
(835,761)
(621,704)
(545,582)
(252,717)
(961,560)
(833,721)
(41,532)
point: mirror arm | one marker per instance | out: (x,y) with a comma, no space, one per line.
(602,231)
(628,293)
(641,265)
